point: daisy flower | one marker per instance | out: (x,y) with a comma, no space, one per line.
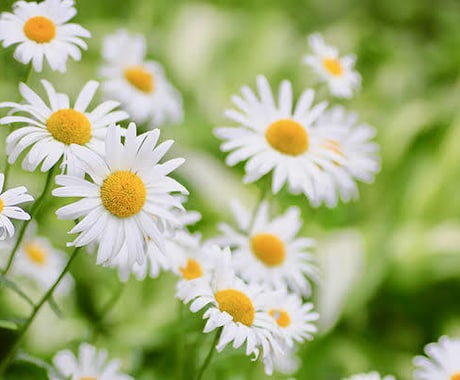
(90,364)
(268,252)
(54,131)
(128,200)
(283,361)
(337,72)
(41,31)
(442,362)
(370,376)
(353,142)
(8,209)
(236,307)
(277,138)
(140,85)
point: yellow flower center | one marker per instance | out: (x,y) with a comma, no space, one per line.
(2,205)
(140,78)
(455,376)
(88,378)
(69,126)
(237,304)
(333,66)
(123,194)
(281,316)
(269,249)
(40,29)
(191,270)
(288,137)
(36,253)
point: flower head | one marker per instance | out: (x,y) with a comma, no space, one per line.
(41,30)
(336,71)
(370,376)
(54,131)
(140,85)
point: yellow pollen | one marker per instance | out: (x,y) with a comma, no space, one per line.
(2,205)
(288,137)
(191,270)
(455,376)
(40,29)
(269,249)
(123,194)
(333,66)
(36,253)
(139,78)
(69,126)
(281,316)
(237,304)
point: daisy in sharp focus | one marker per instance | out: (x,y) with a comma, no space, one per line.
(337,71)
(8,209)
(442,361)
(140,85)
(280,139)
(90,364)
(54,131)
(268,252)
(370,376)
(41,31)
(128,200)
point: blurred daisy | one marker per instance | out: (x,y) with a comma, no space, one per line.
(337,72)
(8,209)
(442,362)
(353,142)
(278,139)
(236,307)
(268,252)
(284,361)
(370,376)
(89,365)
(54,131)
(140,85)
(128,201)
(42,31)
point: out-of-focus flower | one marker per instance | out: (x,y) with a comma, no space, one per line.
(8,209)
(140,85)
(337,72)
(54,131)
(129,200)
(370,376)
(89,365)
(268,252)
(41,31)
(442,362)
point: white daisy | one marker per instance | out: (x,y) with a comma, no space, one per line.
(284,361)
(370,376)
(353,142)
(337,72)
(90,364)
(442,362)
(8,209)
(54,131)
(128,200)
(42,31)
(236,307)
(268,252)
(277,138)
(140,85)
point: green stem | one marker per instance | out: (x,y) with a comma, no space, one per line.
(35,207)
(111,302)
(265,188)
(210,354)
(12,350)
(180,343)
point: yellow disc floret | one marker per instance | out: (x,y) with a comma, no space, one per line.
(191,270)
(288,137)
(281,316)
(40,29)
(123,194)
(2,205)
(139,78)
(333,66)
(88,378)
(268,248)
(455,376)
(69,126)
(36,253)
(237,304)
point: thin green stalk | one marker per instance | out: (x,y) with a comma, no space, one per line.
(208,359)
(180,343)
(12,350)
(265,188)
(112,301)
(35,207)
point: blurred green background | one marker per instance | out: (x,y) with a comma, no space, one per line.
(396,250)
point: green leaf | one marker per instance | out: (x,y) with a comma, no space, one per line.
(11,285)
(54,306)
